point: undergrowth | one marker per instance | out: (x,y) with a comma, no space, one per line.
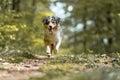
(81,67)
(17,58)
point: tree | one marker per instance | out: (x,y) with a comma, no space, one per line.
(100,22)
(20,24)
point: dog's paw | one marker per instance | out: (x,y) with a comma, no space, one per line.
(49,55)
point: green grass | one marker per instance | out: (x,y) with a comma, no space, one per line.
(72,67)
(17,58)
(80,67)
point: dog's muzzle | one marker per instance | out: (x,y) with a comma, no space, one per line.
(50,29)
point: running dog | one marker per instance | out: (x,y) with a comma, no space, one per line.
(52,34)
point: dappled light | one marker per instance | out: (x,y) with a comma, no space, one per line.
(90,48)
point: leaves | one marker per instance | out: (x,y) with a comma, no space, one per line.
(20,24)
(103,18)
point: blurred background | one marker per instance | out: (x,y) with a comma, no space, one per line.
(89,26)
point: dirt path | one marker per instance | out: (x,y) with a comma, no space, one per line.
(41,67)
(23,70)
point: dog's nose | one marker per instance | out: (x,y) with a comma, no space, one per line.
(50,27)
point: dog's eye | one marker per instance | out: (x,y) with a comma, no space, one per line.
(53,22)
(47,22)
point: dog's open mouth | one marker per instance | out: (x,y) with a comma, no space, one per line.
(51,30)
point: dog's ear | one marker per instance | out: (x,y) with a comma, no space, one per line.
(44,20)
(57,20)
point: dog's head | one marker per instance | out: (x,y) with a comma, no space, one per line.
(51,23)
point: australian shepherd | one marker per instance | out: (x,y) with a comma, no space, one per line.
(52,34)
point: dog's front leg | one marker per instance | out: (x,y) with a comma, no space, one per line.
(48,50)
(58,45)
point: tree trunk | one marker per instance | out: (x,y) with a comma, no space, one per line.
(16,5)
(84,29)
(109,22)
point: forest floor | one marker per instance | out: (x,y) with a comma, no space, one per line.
(66,67)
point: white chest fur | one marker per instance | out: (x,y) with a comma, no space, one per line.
(54,37)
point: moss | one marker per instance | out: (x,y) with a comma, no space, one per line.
(79,67)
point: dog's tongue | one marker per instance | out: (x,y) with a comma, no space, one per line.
(51,31)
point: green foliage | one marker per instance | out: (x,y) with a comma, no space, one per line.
(20,25)
(100,23)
